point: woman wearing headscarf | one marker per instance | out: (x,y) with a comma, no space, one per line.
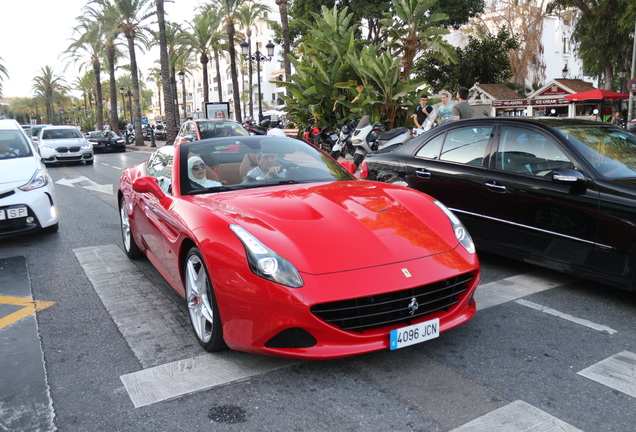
(196,173)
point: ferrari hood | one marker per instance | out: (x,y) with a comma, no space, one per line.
(340,226)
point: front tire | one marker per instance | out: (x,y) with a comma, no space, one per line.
(357,159)
(130,246)
(202,307)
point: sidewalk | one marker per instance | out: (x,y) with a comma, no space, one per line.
(146,146)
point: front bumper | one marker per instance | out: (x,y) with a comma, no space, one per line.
(259,316)
(51,155)
(41,211)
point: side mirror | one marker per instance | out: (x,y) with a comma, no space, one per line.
(570,177)
(148,185)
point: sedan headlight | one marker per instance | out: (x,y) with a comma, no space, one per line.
(266,263)
(458,228)
(38,180)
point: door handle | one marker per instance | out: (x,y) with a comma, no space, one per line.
(422,173)
(496,187)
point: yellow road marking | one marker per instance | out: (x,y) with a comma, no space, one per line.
(29,307)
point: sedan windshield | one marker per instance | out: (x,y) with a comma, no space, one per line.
(221,164)
(610,150)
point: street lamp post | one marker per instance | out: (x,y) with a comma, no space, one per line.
(258,57)
(565,71)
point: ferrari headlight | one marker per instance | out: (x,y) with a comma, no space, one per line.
(458,227)
(266,263)
(38,180)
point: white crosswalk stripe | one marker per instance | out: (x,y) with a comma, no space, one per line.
(517,416)
(617,372)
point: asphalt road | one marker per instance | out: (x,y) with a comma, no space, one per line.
(110,348)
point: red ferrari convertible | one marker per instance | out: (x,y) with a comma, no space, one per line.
(277,249)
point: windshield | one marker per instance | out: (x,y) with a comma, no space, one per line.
(13,144)
(61,133)
(102,134)
(223,164)
(610,150)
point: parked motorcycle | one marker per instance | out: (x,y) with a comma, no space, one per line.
(343,146)
(262,127)
(323,138)
(368,138)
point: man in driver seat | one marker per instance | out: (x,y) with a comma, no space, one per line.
(267,169)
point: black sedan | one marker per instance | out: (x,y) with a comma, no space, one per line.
(560,193)
(106,141)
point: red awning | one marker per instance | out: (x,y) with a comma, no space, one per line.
(597,94)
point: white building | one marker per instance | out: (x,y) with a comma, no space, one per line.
(547,50)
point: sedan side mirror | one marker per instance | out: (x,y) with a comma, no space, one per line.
(568,176)
(571,177)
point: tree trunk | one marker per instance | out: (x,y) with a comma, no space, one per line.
(235,87)
(98,97)
(206,85)
(114,117)
(217,61)
(136,108)
(171,126)
(284,19)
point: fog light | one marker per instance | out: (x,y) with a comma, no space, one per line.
(30,219)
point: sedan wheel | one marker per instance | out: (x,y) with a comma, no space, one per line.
(204,313)
(130,246)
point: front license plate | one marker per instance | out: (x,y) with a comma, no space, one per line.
(14,213)
(414,334)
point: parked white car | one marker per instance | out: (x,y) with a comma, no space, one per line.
(27,196)
(64,144)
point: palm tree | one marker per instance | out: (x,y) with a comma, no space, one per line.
(129,18)
(155,76)
(249,15)
(175,50)
(89,46)
(198,40)
(218,39)
(107,17)
(228,10)
(3,74)
(46,86)
(171,124)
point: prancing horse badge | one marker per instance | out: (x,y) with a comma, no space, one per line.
(406,272)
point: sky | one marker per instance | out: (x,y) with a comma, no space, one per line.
(35,33)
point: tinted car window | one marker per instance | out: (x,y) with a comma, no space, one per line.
(525,151)
(466,145)
(432,148)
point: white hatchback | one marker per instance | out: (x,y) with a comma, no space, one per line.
(64,144)
(27,197)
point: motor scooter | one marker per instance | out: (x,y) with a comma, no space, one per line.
(368,138)
(342,146)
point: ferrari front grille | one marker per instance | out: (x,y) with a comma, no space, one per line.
(400,307)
